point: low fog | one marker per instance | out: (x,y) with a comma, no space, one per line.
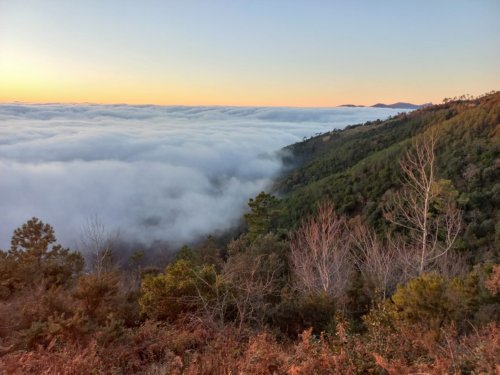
(171,174)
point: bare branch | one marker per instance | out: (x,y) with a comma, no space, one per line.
(424,208)
(379,264)
(320,253)
(97,241)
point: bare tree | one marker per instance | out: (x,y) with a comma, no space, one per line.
(320,253)
(425,207)
(214,304)
(249,281)
(378,263)
(252,283)
(451,265)
(97,242)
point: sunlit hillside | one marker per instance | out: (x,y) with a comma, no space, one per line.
(377,253)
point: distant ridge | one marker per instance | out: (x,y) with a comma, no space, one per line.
(351,105)
(358,169)
(400,105)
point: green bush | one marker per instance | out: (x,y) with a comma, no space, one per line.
(432,301)
(35,259)
(179,290)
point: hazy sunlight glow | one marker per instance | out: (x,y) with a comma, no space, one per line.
(304,53)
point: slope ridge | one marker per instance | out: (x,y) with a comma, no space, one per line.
(358,167)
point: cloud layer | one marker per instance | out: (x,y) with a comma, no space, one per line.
(154,173)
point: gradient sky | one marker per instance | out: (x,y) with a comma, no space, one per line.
(275,53)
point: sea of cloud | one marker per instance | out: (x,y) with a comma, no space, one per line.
(169,173)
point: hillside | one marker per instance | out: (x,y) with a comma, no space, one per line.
(354,289)
(357,167)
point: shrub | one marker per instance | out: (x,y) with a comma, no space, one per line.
(296,314)
(166,296)
(35,259)
(95,294)
(432,301)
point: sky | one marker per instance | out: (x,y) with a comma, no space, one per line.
(173,174)
(247,53)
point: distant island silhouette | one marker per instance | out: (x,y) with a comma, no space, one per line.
(401,105)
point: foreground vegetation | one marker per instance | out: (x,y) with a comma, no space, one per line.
(381,256)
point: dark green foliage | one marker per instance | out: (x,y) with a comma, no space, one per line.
(185,253)
(297,313)
(264,211)
(358,302)
(357,168)
(269,247)
(208,252)
(36,259)
(256,271)
(225,305)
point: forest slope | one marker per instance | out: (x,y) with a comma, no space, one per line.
(357,167)
(307,288)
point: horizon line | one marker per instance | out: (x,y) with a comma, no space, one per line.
(347,105)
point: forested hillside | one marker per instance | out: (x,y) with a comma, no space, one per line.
(357,168)
(376,252)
